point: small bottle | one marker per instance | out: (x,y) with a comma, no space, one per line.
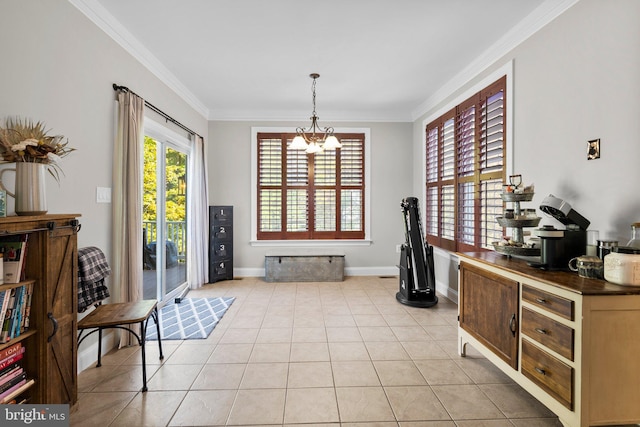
(635,235)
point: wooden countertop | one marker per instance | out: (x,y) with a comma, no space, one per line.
(562,279)
(45,217)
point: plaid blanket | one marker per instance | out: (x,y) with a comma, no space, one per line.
(92,270)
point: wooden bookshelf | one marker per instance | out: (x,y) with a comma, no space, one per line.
(51,265)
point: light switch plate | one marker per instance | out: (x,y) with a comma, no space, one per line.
(103,195)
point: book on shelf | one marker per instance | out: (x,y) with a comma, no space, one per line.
(13,249)
(26,307)
(10,372)
(19,378)
(10,360)
(11,350)
(13,389)
(4,298)
(10,395)
(8,316)
(9,369)
(16,322)
(16,318)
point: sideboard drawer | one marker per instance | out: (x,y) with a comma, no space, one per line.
(551,374)
(555,304)
(548,332)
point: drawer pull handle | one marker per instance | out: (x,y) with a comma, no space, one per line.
(512,325)
(541,300)
(540,371)
(541,331)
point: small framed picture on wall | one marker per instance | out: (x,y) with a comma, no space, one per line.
(593,149)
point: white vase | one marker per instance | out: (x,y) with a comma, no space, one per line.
(30,193)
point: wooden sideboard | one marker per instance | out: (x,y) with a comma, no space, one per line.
(51,264)
(571,342)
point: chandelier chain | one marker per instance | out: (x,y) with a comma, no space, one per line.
(313,87)
(325,135)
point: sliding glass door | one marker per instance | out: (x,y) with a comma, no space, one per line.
(164,216)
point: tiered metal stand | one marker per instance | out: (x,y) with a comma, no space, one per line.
(517,223)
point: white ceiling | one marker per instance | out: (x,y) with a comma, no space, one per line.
(379,60)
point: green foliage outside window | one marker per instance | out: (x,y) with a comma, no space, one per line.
(175,170)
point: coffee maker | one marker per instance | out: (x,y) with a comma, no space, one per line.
(558,246)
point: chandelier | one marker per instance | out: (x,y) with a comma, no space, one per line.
(315,139)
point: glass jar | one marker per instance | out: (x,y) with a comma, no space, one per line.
(622,266)
(635,235)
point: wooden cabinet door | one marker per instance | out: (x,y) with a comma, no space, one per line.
(61,317)
(489,311)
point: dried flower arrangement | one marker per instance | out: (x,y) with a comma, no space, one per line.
(23,140)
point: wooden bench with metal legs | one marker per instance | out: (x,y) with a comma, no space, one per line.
(117,316)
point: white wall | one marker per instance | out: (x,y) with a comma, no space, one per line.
(57,67)
(575,80)
(230,184)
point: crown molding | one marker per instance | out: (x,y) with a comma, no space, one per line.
(541,16)
(107,23)
(303,116)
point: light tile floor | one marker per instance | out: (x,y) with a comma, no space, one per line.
(314,354)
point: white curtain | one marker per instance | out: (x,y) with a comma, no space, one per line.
(198,221)
(127,202)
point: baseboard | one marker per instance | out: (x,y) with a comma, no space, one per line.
(88,353)
(348,271)
(450,294)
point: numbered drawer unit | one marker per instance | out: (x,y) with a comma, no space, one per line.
(548,345)
(220,243)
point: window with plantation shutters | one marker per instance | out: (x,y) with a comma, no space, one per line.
(465,170)
(310,196)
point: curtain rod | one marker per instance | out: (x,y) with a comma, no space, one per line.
(157,110)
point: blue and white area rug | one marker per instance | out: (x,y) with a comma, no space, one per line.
(192,318)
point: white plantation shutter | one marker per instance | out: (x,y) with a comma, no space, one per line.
(465,170)
(310,196)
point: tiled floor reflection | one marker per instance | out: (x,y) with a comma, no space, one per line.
(310,354)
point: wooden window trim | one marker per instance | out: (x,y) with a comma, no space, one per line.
(477,178)
(311,188)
